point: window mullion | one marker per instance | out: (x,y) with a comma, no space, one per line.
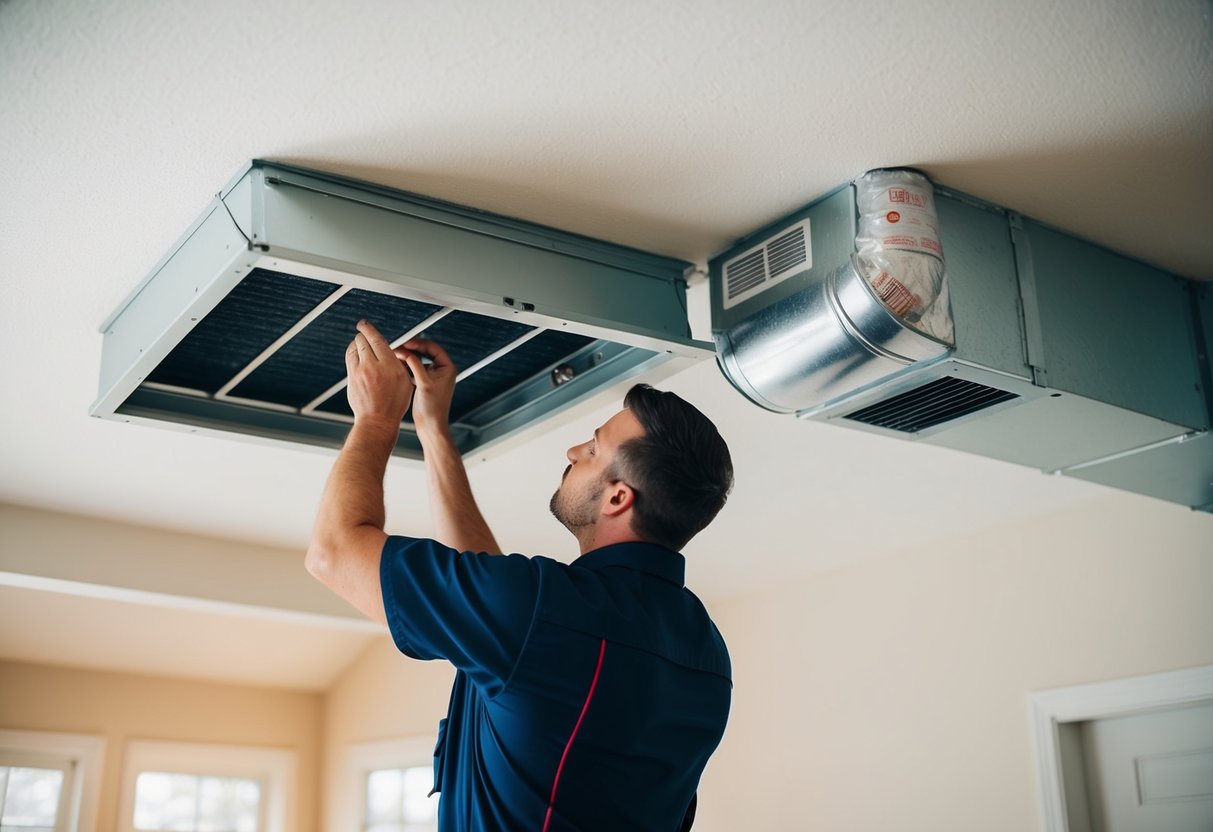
(3,790)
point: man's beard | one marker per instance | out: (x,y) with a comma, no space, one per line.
(576,511)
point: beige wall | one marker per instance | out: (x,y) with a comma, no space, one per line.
(890,695)
(894,695)
(122,707)
(383,695)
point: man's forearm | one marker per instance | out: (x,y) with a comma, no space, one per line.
(457,519)
(349,523)
(353,495)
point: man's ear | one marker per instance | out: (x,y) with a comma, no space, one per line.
(619,498)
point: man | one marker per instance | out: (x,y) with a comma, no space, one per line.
(588,696)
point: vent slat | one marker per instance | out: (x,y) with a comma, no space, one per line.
(746,273)
(923,408)
(931,404)
(741,285)
(787,252)
(929,410)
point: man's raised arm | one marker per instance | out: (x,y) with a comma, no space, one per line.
(457,519)
(348,536)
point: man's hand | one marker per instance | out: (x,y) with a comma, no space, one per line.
(379,385)
(435,383)
(457,520)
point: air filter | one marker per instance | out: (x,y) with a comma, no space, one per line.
(242,327)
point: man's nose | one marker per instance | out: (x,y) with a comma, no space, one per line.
(574,453)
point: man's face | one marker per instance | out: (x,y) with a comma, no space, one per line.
(577,502)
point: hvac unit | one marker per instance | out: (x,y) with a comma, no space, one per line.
(1062,355)
(242,327)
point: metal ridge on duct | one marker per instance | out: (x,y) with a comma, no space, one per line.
(242,326)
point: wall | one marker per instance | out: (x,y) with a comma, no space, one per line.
(122,707)
(382,695)
(890,694)
(893,695)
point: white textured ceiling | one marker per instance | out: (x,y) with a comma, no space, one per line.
(673,127)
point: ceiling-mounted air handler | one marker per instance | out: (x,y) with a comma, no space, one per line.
(961,324)
(243,326)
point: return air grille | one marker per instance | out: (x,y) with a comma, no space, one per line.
(931,404)
(758,269)
(242,327)
(278,341)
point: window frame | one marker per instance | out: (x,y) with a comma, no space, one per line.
(415,751)
(274,768)
(79,756)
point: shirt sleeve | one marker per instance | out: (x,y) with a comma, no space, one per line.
(474,610)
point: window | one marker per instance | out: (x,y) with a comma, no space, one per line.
(387,786)
(49,782)
(31,799)
(186,787)
(398,800)
(169,802)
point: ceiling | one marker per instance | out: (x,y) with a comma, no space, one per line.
(673,127)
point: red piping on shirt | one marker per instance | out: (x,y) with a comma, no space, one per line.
(590,695)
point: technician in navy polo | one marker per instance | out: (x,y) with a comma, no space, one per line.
(588,696)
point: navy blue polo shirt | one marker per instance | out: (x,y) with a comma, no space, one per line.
(588,695)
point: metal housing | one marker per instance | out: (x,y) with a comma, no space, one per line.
(1067,357)
(242,327)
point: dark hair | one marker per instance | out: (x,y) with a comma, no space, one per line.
(680,469)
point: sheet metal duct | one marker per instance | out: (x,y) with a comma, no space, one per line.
(1066,357)
(242,327)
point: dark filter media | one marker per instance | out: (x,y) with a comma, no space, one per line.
(262,307)
(314,360)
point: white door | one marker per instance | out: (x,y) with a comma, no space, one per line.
(1151,772)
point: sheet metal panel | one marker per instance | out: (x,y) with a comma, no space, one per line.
(432,254)
(983,285)
(1116,330)
(1179,472)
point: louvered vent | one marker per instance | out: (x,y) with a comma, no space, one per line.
(931,404)
(760,268)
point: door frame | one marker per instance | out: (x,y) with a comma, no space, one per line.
(1099,700)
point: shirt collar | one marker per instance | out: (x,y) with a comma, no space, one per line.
(643,557)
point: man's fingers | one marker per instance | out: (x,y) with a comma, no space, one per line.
(375,341)
(430,349)
(415,365)
(351,357)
